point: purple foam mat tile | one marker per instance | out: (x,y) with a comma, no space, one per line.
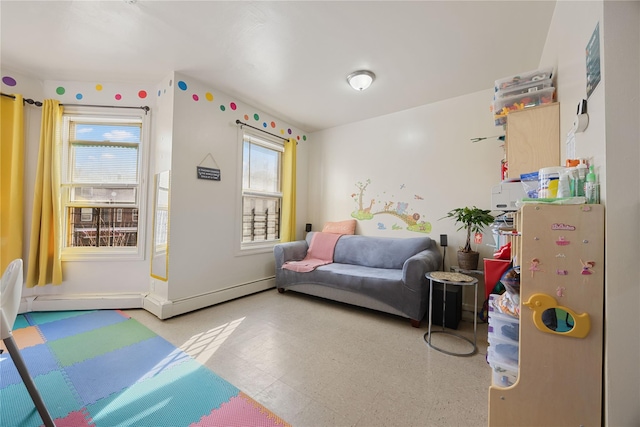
(78,324)
(39,361)
(101,376)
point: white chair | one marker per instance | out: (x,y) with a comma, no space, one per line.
(10,294)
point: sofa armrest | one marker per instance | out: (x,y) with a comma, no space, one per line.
(290,251)
(415,268)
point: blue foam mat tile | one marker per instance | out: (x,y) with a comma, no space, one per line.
(74,325)
(39,361)
(17,409)
(101,376)
(178,396)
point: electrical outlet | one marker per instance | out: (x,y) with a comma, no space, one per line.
(443,240)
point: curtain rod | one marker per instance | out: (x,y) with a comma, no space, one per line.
(238,122)
(39,104)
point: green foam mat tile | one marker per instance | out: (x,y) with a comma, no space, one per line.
(42,317)
(77,348)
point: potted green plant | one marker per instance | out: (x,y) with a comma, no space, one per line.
(472,219)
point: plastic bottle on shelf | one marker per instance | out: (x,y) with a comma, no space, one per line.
(573,181)
(564,186)
(582,176)
(591,187)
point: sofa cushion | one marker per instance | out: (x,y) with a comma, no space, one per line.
(378,252)
(341,227)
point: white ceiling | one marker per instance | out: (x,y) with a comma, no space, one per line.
(288,58)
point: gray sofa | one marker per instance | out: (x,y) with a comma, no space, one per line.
(384,274)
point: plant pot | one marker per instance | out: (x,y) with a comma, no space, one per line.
(468,260)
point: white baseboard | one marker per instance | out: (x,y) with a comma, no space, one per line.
(159,307)
(165,309)
(81,302)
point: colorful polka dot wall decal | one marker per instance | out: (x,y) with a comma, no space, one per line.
(264,124)
(273,124)
(159,92)
(195,97)
(9,81)
(222,108)
(142,94)
(246,117)
(289,131)
(98,87)
(304,137)
(208,96)
(233,106)
(256,117)
(118,97)
(78,96)
(60,90)
(182,85)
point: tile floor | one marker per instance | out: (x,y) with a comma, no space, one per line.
(319,363)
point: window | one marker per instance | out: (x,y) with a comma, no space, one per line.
(102,191)
(261,190)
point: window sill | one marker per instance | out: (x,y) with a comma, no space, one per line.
(256,248)
(102,255)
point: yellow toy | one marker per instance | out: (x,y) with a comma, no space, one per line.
(540,303)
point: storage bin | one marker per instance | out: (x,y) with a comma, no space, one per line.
(524,88)
(503,374)
(524,78)
(503,106)
(507,302)
(504,327)
(504,351)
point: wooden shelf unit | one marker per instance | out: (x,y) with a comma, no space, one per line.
(533,139)
(560,377)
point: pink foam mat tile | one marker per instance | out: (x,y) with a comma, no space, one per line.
(241,410)
(80,418)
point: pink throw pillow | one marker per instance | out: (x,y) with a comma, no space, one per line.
(340,227)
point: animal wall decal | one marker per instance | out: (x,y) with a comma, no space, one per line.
(367,208)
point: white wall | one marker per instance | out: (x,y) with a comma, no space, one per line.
(86,284)
(205,263)
(204,259)
(622,108)
(612,141)
(421,156)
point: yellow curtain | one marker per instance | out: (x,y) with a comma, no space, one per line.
(44,250)
(11,179)
(288,226)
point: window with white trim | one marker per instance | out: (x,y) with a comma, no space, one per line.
(261,189)
(102,187)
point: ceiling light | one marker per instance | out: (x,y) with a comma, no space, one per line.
(360,80)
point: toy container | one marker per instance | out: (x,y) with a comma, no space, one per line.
(524,88)
(524,78)
(503,106)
